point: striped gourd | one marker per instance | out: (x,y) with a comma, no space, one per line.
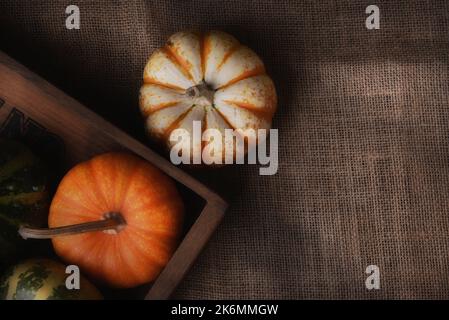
(23,196)
(43,279)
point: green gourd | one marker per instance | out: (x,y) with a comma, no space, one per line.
(43,279)
(24,197)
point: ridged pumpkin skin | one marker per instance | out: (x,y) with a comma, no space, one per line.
(243,95)
(43,279)
(24,196)
(146,198)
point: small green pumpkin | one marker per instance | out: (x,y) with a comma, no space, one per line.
(24,198)
(43,279)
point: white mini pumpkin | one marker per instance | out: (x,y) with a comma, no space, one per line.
(210,78)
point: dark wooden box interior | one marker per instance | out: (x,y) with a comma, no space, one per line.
(63,132)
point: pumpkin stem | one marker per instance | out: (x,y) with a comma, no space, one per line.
(113,222)
(201,91)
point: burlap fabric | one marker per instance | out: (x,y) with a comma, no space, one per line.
(364,135)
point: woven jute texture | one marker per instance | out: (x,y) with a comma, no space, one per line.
(363,125)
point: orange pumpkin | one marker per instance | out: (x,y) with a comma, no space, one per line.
(146,200)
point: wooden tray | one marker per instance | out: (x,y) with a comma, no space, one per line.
(61,128)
